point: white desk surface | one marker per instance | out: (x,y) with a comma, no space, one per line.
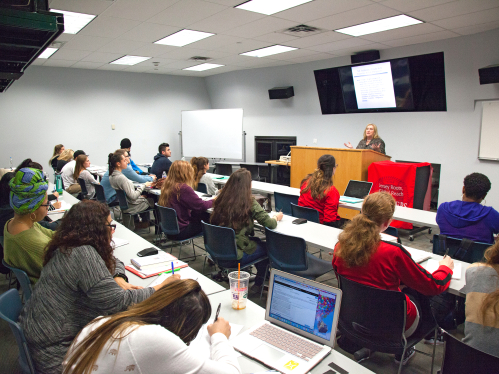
(254,314)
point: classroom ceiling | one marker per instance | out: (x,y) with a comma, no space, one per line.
(129,27)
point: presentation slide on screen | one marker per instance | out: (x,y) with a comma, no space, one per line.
(374,86)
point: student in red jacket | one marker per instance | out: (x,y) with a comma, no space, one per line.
(317,192)
(362,257)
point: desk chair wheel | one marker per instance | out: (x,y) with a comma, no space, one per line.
(429,230)
(411,238)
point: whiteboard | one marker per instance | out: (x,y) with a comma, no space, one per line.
(489,132)
(213,133)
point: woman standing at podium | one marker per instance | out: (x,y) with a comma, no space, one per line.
(371,140)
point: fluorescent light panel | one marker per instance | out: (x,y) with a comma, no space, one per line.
(267,51)
(380,25)
(48,52)
(269,7)
(184,37)
(203,67)
(74,22)
(130,60)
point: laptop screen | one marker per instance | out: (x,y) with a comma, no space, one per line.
(303,306)
(358,189)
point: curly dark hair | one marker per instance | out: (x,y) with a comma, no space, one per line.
(85,224)
(476,186)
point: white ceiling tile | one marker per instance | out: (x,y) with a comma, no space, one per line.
(215,41)
(293,54)
(150,63)
(471,19)
(234,60)
(87,65)
(69,54)
(354,17)
(320,8)
(110,27)
(138,68)
(153,50)
(87,43)
(149,32)
(186,12)
(139,10)
(403,32)
(342,44)
(81,6)
(314,57)
(112,67)
(275,37)
(477,28)
(242,46)
(322,38)
(102,57)
(39,61)
(260,27)
(159,71)
(453,9)
(180,64)
(121,46)
(422,38)
(186,53)
(65,37)
(409,6)
(59,63)
(226,20)
(231,3)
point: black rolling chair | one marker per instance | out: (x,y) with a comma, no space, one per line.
(23,280)
(123,203)
(202,188)
(255,172)
(393,231)
(84,191)
(169,226)
(375,319)
(100,196)
(282,202)
(460,249)
(309,214)
(460,358)
(223,169)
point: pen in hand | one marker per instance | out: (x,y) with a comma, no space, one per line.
(218,312)
(446,252)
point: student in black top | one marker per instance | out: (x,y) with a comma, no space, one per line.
(58,149)
(161,162)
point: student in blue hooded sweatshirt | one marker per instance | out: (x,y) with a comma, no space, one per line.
(468,218)
(161,161)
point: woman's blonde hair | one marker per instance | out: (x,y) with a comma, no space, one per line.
(67,155)
(80,160)
(360,237)
(198,164)
(375,128)
(57,149)
(181,172)
(491,301)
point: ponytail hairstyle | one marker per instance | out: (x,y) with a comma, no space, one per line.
(491,301)
(361,236)
(57,151)
(198,164)
(114,158)
(80,160)
(321,180)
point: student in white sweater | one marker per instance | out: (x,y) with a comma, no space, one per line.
(153,336)
(82,163)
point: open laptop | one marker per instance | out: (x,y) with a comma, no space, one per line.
(356,191)
(300,324)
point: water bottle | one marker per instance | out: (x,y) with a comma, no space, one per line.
(164,175)
(58,184)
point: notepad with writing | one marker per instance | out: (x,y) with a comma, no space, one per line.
(432,265)
(146,273)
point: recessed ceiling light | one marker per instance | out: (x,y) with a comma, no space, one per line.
(183,37)
(380,25)
(74,22)
(130,60)
(203,67)
(269,7)
(48,52)
(267,51)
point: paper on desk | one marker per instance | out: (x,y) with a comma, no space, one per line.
(185,273)
(432,265)
(161,268)
(64,206)
(117,242)
(202,342)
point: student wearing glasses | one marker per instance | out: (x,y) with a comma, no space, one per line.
(81,280)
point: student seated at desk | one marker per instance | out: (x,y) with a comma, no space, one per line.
(177,193)
(237,209)
(161,162)
(317,192)
(67,173)
(126,145)
(65,157)
(132,175)
(81,280)
(58,149)
(362,257)
(481,329)
(468,218)
(153,336)
(82,163)
(201,166)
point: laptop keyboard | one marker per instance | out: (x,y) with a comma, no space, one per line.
(286,341)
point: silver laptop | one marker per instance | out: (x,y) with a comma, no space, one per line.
(356,191)
(300,324)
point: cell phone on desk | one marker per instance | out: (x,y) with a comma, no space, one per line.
(299,221)
(148,252)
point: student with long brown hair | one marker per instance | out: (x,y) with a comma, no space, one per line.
(363,257)
(153,337)
(236,208)
(177,193)
(82,163)
(201,166)
(481,329)
(317,192)
(58,149)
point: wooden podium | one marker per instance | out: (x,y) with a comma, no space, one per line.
(352,164)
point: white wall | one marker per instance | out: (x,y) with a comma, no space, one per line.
(448,138)
(76,107)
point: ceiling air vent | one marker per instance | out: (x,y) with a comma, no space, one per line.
(301,31)
(200,58)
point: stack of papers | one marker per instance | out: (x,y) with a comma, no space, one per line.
(202,343)
(158,260)
(146,273)
(117,242)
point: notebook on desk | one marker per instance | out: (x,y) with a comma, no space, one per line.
(356,191)
(300,324)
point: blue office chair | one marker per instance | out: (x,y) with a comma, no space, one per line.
(309,214)
(123,203)
(202,188)
(283,201)
(169,226)
(223,169)
(10,308)
(393,231)
(83,186)
(23,279)
(460,249)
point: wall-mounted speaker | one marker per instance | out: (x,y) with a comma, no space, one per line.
(489,74)
(365,56)
(281,93)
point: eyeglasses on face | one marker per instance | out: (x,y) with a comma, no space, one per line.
(112,225)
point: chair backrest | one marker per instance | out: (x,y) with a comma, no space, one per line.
(474,253)
(309,214)
(393,231)
(83,186)
(460,358)
(169,221)
(253,169)
(371,315)
(23,279)
(223,169)
(122,199)
(283,202)
(10,308)
(220,242)
(202,188)
(286,253)
(100,195)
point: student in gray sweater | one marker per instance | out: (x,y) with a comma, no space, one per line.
(81,279)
